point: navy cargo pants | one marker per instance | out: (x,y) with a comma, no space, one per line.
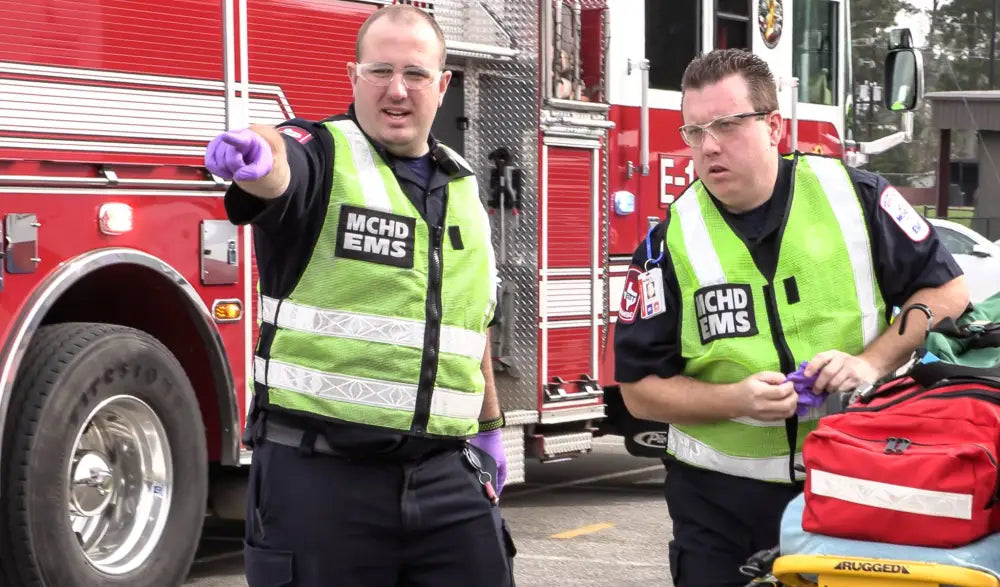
(719,522)
(316,520)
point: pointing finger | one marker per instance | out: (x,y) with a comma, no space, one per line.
(215,162)
(240,139)
(234,160)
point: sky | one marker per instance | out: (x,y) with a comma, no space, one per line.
(918,24)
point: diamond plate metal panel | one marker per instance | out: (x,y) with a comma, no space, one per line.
(559,444)
(513,446)
(479,21)
(520,417)
(501,104)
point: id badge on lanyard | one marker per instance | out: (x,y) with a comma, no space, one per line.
(651,298)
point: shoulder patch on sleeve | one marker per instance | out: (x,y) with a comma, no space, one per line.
(300,135)
(902,213)
(630,296)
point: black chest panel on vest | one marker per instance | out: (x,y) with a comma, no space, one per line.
(375,236)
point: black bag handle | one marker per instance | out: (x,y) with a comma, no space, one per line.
(974,336)
(931,374)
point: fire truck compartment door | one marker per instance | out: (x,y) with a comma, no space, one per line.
(21,243)
(220,256)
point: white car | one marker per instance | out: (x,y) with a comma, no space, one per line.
(975,254)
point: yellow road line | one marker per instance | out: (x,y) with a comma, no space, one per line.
(584,530)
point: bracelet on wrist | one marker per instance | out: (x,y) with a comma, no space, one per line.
(490,425)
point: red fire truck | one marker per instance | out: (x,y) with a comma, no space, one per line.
(127,300)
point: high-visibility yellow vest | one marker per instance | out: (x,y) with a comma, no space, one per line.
(387,325)
(734,321)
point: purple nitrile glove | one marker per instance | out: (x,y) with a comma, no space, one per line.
(242,155)
(492,442)
(804,387)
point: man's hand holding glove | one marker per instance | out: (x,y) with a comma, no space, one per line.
(492,443)
(828,372)
(808,398)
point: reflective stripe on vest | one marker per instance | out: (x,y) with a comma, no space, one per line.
(372,187)
(832,175)
(362,391)
(691,450)
(708,269)
(456,341)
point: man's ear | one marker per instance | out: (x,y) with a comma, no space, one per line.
(443,86)
(776,127)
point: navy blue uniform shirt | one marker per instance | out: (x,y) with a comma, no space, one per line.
(902,266)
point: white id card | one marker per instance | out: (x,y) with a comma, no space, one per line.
(651,292)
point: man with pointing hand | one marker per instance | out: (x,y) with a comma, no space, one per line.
(378,459)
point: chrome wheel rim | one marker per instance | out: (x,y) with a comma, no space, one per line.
(120,484)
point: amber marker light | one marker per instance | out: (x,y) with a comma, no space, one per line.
(227,310)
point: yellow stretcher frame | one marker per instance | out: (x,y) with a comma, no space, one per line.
(850,571)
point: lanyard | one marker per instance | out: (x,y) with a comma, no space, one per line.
(649,249)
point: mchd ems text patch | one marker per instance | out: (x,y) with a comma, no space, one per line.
(724,311)
(375,236)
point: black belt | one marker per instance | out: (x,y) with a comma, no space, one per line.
(279,433)
(313,440)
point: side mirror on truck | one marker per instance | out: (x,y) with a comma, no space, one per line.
(904,73)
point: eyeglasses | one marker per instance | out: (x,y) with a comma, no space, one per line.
(721,128)
(382,74)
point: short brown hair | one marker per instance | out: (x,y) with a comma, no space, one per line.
(714,66)
(400,13)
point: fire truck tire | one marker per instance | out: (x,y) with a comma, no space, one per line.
(105,465)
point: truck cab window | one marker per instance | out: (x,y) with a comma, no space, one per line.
(732,24)
(814,61)
(672,40)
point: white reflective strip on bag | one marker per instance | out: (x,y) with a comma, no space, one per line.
(358,390)
(693,451)
(891,497)
(840,193)
(700,250)
(456,341)
(372,186)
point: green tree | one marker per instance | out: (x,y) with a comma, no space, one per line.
(957,56)
(961,43)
